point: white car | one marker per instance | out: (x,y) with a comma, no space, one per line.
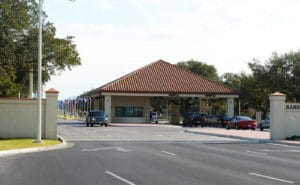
(154,117)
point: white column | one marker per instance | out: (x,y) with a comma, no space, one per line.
(51,114)
(277,116)
(107,107)
(230,107)
(258,116)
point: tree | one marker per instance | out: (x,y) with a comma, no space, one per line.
(200,68)
(231,80)
(18,47)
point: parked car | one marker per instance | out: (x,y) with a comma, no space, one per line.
(241,122)
(154,117)
(194,119)
(264,123)
(96,117)
(213,121)
(224,120)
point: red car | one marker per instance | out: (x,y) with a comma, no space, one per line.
(241,122)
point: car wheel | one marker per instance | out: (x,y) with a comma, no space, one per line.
(87,124)
(105,125)
(156,122)
(196,125)
(253,129)
(227,127)
(261,128)
(92,125)
(202,125)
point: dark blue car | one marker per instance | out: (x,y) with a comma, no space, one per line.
(96,117)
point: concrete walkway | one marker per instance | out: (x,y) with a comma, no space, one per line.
(247,134)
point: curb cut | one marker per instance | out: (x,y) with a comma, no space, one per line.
(62,145)
(231,136)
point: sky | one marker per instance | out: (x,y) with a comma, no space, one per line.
(116,37)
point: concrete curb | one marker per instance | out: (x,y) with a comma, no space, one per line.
(230,136)
(62,145)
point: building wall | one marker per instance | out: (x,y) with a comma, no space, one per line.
(131,101)
(293,123)
(18,118)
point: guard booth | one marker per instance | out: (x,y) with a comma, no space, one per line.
(127,99)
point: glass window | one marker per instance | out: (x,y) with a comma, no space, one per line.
(123,111)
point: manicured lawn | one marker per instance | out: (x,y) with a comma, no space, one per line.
(8,144)
(68,117)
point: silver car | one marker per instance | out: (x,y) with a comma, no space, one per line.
(264,123)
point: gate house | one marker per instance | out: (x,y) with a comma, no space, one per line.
(127,99)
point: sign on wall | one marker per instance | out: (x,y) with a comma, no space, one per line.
(292,107)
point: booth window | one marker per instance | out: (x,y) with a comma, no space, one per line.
(126,111)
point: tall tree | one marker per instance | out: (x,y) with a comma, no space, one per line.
(18,47)
(200,68)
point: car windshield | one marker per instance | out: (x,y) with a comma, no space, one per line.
(97,113)
(194,115)
(243,118)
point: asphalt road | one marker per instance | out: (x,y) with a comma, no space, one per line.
(156,163)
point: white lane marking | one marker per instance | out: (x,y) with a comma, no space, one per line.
(273,178)
(249,151)
(105,148)
(268,150)
(283,145)
(120,178)
(168,153)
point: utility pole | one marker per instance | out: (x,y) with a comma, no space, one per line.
(39,94)
(39,84)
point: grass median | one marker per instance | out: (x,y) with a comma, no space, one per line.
(9,144)
(68,117)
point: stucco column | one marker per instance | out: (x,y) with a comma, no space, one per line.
(277,116)
(230,107)
(51,114)
(107,107)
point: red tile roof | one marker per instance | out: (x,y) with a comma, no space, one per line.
(163,77)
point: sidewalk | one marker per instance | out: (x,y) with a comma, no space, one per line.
(239,134)
(257,135)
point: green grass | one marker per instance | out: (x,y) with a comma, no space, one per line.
(9,144)
(68,117)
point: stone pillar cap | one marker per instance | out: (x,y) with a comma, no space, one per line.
(277,94)
(52,91)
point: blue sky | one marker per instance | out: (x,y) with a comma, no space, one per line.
(115,37)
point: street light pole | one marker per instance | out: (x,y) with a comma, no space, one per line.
(39,85)
(39,94)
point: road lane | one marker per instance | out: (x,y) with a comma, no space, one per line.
(145,164)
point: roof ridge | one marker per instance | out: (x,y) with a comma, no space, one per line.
(214,81)
(131,73)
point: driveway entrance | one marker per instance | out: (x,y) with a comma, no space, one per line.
(77,131)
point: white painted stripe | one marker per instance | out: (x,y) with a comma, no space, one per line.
(275,150)
(168,153)
(120,178)
(249,151)
(273,178)
(283,145)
